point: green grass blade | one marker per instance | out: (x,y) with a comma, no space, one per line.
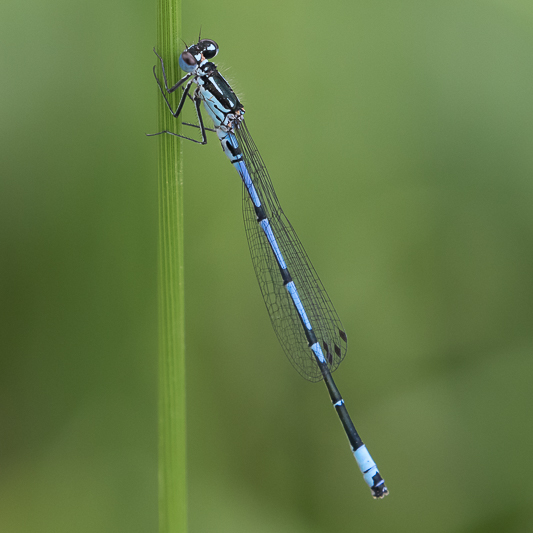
(172,429)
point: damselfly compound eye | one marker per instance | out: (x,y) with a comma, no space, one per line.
(187,61)
(210,48)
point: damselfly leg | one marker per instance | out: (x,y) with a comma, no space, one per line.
(197,102)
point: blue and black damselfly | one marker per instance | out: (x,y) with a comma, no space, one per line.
(300,310)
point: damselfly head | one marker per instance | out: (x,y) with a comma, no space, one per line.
(210,48)
(205,49)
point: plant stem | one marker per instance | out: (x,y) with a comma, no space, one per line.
(172,430)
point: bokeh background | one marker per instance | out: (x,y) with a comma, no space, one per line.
(399,137)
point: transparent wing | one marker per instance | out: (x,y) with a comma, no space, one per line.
(283,314)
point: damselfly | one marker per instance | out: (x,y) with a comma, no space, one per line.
(300,310)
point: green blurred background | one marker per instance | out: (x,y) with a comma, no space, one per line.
(399,137)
